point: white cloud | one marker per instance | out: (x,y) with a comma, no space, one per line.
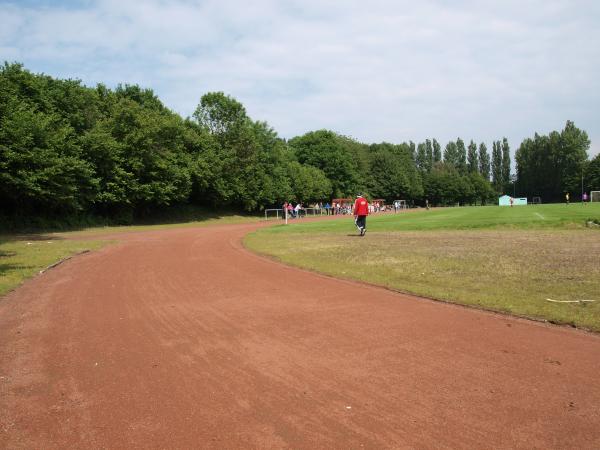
(379,70)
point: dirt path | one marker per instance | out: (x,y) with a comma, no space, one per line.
(183,339)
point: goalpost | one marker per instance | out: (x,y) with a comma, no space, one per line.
(595,196)
(400,204)
(536,201)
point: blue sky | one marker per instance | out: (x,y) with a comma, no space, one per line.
(377,71)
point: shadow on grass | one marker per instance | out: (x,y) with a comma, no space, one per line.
(5,268)
(4,238)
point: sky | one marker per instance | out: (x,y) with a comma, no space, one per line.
(377,71)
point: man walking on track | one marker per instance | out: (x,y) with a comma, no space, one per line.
(361,211)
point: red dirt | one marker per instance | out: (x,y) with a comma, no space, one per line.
(183,339)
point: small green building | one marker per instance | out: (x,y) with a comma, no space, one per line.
(505,201)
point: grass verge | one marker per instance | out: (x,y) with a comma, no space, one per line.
(501,259)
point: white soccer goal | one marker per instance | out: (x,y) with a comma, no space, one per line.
(399,204)
(595,196)
(536,201)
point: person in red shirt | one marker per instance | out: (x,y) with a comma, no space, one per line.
(361,211)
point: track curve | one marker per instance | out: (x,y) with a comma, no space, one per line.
(183,339)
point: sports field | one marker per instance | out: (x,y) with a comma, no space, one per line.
(181,338)
(515,260)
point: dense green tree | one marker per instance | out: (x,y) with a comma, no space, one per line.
(41,169)
(308,184)
(571,155)
(413,149)
(496,167)
(152,141)
(107,157)
(506,177)
(329,152)
(461,159)
(451,154)
(421,158)
(592,175)
(481,189)
(549,166)
(437,152)
(67,148)
(472,161)
(393,173)
(444,186)
(221,115)
(429,155)
(484,162)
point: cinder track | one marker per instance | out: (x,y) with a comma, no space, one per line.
(183,339)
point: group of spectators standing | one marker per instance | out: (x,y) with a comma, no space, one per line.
(360,209)
(336,207)
(328,209)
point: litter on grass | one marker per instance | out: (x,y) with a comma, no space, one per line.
(569,301)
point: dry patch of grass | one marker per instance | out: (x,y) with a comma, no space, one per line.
(512,271)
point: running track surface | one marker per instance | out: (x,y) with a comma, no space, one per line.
(183,339)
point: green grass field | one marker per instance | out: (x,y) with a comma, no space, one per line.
(499,258)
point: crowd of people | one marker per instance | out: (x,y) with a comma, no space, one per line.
(336,207)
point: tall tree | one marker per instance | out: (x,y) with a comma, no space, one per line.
(437,151)
(329,152)
(571,156)
(221,114)
(472,162)
(429,153)
(497,180)
(413,149)
(484,161)
(461,161)
(421,158)
(451,154)
(506,178)
(549,166)
(592,175)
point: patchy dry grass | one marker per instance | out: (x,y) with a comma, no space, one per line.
(511,271)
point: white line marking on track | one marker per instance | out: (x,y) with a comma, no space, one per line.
(540,216)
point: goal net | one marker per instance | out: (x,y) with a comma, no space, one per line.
(536,200)
(595,196)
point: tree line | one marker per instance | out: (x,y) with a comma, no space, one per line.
(68,149)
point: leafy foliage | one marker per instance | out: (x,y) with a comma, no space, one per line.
(549,166)
(120,153)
